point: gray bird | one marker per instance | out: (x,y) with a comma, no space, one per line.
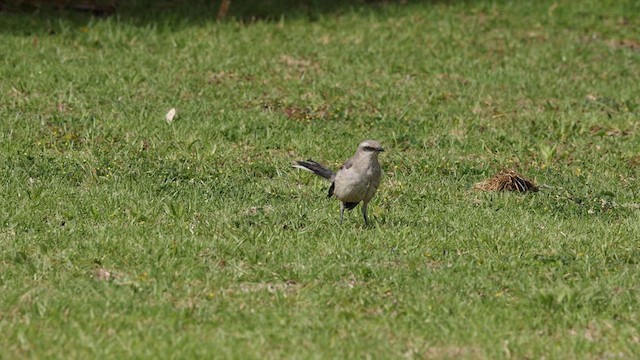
(356,181)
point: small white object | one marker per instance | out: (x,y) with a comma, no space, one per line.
(170,115)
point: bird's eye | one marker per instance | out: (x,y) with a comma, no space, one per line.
(368,148)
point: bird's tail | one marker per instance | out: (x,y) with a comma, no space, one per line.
(315,168)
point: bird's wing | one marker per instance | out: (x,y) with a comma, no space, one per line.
(347,164)
(333,186)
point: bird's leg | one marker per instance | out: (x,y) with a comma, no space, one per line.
(364,213)
(341,211)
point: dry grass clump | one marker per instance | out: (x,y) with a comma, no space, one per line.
(507,180)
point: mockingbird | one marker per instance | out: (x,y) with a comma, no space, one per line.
(356,181)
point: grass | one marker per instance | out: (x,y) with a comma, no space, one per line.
(215,247)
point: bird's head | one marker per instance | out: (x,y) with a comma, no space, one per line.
(370,148)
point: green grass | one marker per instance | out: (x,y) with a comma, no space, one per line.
(217,248)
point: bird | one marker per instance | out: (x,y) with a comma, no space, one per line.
(357,179)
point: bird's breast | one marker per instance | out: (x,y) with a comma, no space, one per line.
(356,184)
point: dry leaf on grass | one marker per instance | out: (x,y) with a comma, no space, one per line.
(287,286)
(102,274)
(298,63)
(630,44)
(602,131)
(223,9)
(170,115)
(507,180)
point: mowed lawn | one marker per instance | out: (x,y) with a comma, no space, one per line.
(124,235)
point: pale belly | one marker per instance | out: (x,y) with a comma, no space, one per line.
(349,188)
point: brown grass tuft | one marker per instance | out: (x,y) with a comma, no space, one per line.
(507,180)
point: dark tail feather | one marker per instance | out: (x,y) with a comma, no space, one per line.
(315,168)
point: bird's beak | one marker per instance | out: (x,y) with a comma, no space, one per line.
(380,149)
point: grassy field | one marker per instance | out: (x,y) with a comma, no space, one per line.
(123,235)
